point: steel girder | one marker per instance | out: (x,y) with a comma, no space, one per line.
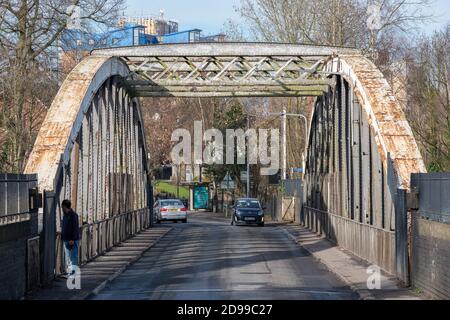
(357,131)
(93,134)
(226,69)
(360,151)
(229,69)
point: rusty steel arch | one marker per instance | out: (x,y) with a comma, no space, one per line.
(360,146)
(360,150)
(91,146)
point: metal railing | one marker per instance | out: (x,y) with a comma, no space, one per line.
(433,190)
(99,237)
(368,242)
(15,218)
(16,197)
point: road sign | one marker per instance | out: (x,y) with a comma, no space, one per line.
(227,186)
(297,170)
(227,182)
(227,177)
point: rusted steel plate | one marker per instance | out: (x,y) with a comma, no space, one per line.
(65,114)
(385,116)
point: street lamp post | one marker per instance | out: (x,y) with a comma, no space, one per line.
(248,164)
(284,144)
(284,116)
(306,134)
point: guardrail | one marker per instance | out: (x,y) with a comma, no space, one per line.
(99,237)
(14,218)
(18,197)
(432,190)
(368,242)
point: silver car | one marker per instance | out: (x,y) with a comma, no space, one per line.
(170,210)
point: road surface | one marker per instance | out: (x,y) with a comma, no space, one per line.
(208,259)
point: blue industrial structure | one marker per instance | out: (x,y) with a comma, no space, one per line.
(187,36)
(130,34)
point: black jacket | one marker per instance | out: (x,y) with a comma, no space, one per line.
(70,229)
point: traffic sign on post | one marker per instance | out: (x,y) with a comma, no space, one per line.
(227,182)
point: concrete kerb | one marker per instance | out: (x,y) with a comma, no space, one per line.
(364,294)
(122,269)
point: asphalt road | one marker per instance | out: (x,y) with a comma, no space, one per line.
(208,259)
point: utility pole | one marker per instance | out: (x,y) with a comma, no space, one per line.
(284,116)
(283,134)
(248,163)
(178,180)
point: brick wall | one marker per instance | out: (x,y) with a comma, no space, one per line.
(430,257)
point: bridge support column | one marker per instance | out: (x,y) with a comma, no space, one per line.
(401,237)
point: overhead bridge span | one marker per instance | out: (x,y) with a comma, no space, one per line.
(360,152)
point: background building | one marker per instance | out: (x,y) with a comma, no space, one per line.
(155,26)
(75,44)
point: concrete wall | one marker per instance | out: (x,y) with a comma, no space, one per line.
(430,256)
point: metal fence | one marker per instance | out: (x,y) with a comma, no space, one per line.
(16,197)
(101,236)
(368,242)
(430,234)
(434,190)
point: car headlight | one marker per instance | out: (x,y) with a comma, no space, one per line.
(260,213)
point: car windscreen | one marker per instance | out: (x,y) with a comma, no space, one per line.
(171,203)
(248,204)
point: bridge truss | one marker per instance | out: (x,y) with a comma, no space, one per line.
(360,146)
(238,70)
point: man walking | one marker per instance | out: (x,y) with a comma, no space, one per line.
(70,235)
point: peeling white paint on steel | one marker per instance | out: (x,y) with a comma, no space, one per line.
(386,118)
(64,118)
(224,49)
(63,121)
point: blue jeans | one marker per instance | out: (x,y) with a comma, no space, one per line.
(71,256)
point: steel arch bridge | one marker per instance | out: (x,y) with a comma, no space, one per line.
(360,146)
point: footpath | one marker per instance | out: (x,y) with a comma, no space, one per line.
(349,268)
(97,273)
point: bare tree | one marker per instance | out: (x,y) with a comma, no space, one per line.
(428,107)
(356,23)
(375,26)
(29,30)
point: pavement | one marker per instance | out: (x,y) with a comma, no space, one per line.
(103,269)
(208,259)
(349,268)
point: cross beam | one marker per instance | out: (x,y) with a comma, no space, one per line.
(225,69)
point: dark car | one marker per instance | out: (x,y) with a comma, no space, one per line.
(247,211)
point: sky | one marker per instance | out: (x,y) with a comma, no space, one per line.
(207,15)
(210,15)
